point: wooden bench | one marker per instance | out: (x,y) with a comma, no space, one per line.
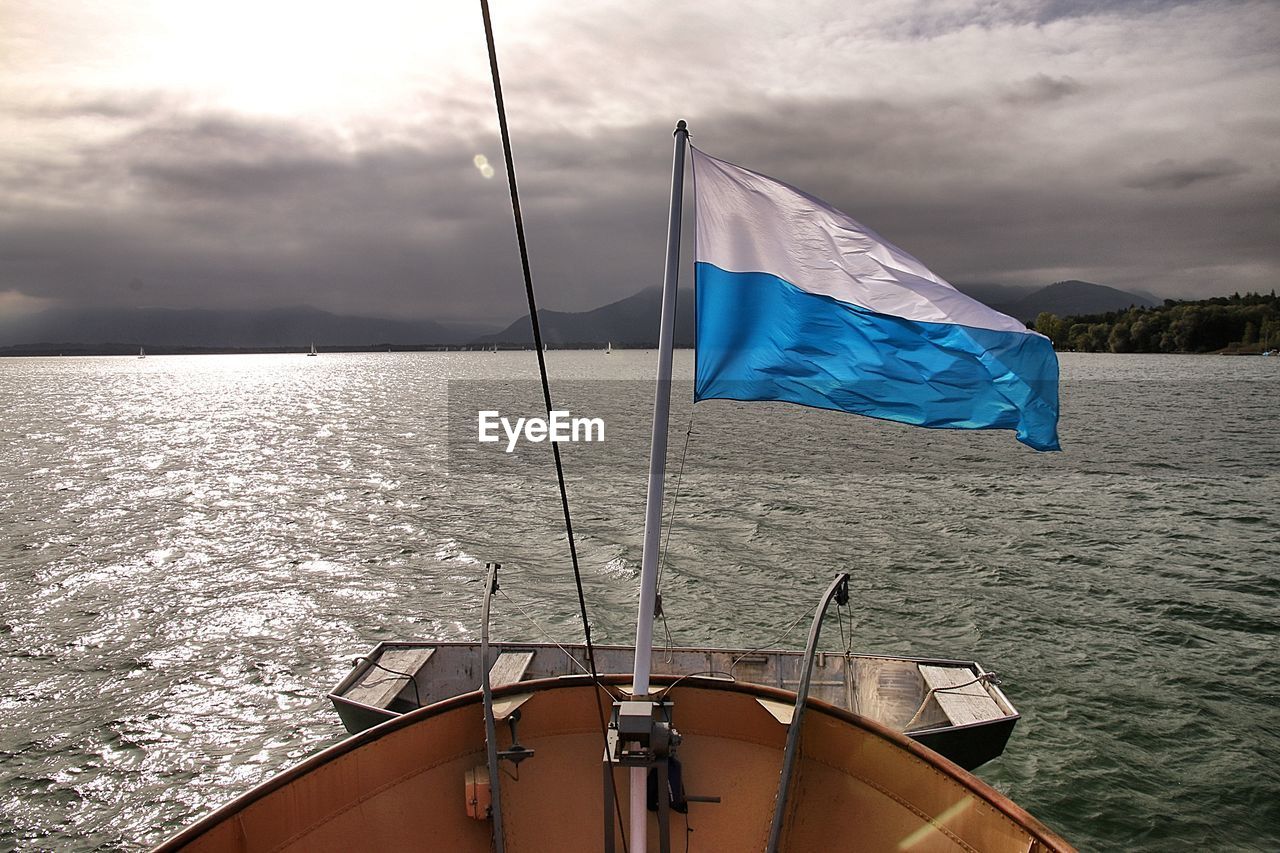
(962,705)
(379,688)
(509,668)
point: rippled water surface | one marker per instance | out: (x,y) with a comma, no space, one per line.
(194,548)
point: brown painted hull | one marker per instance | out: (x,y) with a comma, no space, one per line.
(400,786)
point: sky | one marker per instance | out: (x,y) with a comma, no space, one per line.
(265,153)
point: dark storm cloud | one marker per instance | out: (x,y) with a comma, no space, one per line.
(1172,175)
(219,212)
(931,18)
(202,160)
(110,105)
(1068,154)
(980,206)
(1042,89)
(1048,11)
(216,211)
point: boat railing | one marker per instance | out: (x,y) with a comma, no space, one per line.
(839,591)
(490,727)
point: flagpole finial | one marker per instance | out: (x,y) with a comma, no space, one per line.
(680,125)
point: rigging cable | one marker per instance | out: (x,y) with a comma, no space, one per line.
(842,612)
(784,635)
(671,521)
(550,639)
(542,367)
(984,678)
(417,697)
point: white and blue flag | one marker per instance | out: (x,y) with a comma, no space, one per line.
(798,302)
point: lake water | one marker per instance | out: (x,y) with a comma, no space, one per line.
(193,549)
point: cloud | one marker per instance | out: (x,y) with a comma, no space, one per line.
(997,142)
(99,104)
(17,305)
(1056,10)
(997,208)
(216,212)
(1173,175)
(1042,89)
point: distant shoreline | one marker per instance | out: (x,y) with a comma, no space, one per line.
(73,350)
(132,352)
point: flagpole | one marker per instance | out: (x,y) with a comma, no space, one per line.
(657,470)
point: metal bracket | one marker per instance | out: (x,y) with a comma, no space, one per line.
(490,728)
(517,752)
(839,590)
(640,734)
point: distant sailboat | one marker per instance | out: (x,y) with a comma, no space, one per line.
(608,348)
(142,353)
(313,349)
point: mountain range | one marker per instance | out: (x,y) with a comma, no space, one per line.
(1065,298)
(629,322)
(633,322)
(187,329)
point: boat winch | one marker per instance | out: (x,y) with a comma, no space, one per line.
(641,734)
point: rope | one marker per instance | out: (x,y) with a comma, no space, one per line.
(533,318)
(675,499)
(666,542)
(547,636)
(984,678)
(785,634)
(845,639)
(542,361)
(417,697)
(703,672)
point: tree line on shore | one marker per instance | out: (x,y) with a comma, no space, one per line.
(1244,324)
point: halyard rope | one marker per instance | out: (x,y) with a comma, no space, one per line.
(542,362)
(671,521)
(984,678)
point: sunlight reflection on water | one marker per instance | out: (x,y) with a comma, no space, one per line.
(195,547)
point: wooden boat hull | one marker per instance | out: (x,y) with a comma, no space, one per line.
(400,785)
(887,690)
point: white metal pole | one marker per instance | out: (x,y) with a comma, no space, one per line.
(657,470)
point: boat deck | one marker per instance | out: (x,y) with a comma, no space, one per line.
(953,706)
